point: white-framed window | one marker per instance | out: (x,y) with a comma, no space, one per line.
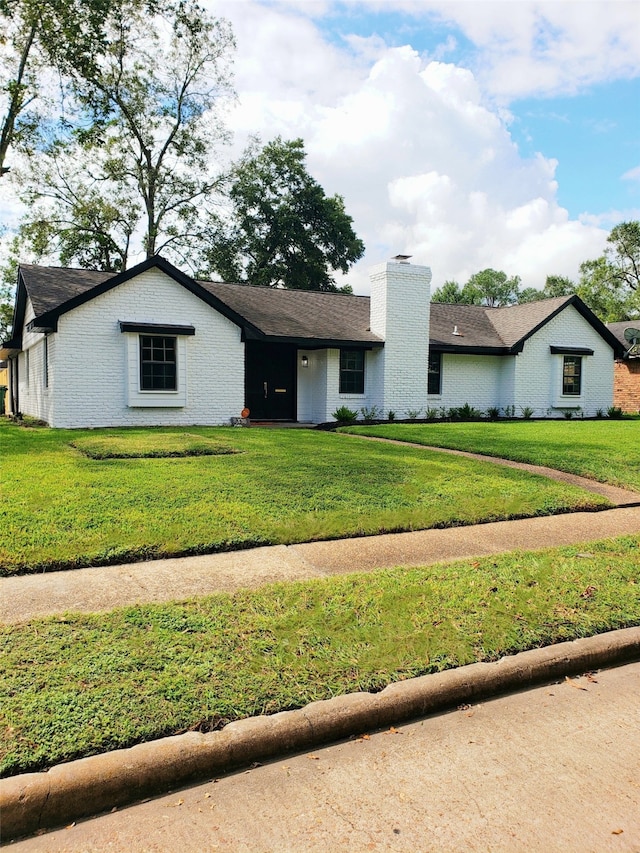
(351,371)
(571,375)
(156,364)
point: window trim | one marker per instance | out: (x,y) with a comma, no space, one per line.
(141,364)
(357,374)
(45,362)
(434,374)
(569,380)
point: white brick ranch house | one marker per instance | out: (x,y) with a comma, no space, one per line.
(152,346)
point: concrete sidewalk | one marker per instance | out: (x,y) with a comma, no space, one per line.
(103,588)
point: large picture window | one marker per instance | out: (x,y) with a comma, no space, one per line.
(572,375)
(351,371)
(157,363)
(434,378)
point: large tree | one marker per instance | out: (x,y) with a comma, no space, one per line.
(283,231)
(138,158)
(37,38)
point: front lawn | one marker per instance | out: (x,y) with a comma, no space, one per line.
(606,450)
(76,685)
(60,508)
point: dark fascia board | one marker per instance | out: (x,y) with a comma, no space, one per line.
(19,309)
(571,350)
(156,328)
(49,320)
(588,315)
(460,350)
(310,343)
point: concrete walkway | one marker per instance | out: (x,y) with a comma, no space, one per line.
(106,587)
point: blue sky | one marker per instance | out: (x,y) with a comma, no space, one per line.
(501,133)
(594,133)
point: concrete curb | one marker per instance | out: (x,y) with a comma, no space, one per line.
(67,792)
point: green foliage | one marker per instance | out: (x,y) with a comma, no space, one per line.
(370,413)
(413,414)
(466,412)
(527,412)
(142,444)
(283,230)
(492,288)
(59,509)
(430,414)
(65,37)
(391,415)
(488,287)
(610,284)
(614,412)
(135,155)
(344,414)
(493,413)
(107,681)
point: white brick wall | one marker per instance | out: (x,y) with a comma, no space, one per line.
(533,378)
(92,361)
(35,398)
(538,379)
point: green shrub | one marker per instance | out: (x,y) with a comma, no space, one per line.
(391,415)
(413,414)
(370,413)
(614,412)
(493,413)
(527,412)
(431,414)
(344,415)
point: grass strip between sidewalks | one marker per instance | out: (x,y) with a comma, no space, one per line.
(80,684)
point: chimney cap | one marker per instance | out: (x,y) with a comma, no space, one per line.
(401,259)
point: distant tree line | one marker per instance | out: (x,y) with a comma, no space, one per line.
(609,285)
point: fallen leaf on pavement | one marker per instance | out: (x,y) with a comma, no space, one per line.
(574,684)
(617,831)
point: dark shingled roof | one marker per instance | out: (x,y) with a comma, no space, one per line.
(308,318)
(299,314)
(618,329)
(50,287)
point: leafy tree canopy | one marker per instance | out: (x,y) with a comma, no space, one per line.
(135,163)
(489,287)
(283,231)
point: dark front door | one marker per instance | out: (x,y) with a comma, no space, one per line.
(270,381)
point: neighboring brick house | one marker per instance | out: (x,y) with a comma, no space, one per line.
(626,372)
(154,346)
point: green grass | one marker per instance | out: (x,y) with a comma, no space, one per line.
(60,509)
(80,684)
(607,451)
(142,444)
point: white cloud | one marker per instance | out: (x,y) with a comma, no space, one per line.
(632,174)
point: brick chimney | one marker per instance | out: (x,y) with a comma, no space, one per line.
(400,301)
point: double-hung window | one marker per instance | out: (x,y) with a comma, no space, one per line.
(572,375)
(352,371)
(158,363)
